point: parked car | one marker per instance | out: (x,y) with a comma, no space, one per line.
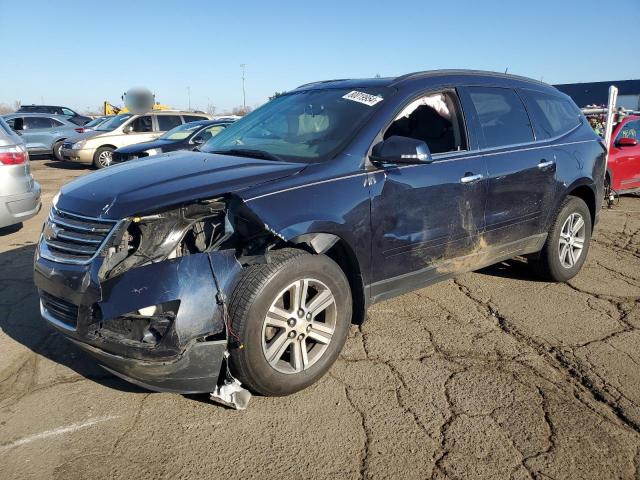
(187,136)
(43,134)
(623,169)
(256,253)
(19,192)
(93,124)
(122,130)
(72,116)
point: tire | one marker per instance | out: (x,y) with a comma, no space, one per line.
(57,150)
(100,157)
(555,262)
(264,287)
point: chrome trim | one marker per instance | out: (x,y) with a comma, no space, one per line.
(46,253)
(546,164)
(471,178)
(77,227)
(51,319)
(438,157)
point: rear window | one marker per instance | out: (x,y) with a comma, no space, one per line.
(553,115)
(167,122)
(503,118)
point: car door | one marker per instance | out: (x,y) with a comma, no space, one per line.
(627,156)
(38,132)
(521,176)
(426,216)
(140,129)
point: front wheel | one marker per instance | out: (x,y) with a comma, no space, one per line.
(567,245)
(291,317)
(103,157)
(57,150)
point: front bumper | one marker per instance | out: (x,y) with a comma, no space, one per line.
(84,155)
(18,208)
(188,355)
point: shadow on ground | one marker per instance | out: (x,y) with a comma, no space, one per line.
(66,165)
(514,269)
(20,320)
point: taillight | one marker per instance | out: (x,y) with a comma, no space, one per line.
(79,130)
(13,155)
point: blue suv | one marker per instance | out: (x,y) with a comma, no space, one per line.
(252,256)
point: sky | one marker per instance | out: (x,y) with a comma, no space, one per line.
(79,53)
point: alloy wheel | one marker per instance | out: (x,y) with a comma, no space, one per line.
(571,243)
(105,158)
(299,326)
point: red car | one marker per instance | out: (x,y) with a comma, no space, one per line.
(623,171)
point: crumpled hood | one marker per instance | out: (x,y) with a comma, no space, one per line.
(166,180)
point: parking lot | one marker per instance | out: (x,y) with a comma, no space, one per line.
(490,375)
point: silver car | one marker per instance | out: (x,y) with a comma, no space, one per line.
(19,193)
(42,133)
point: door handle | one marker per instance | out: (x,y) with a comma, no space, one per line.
(471,178)
(545,163)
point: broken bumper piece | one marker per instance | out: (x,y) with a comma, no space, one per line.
(195,371)
(158,326)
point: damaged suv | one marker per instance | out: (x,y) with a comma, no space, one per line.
(251,257)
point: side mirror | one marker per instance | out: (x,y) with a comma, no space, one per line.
(127,129)
(627,142)
(198,141)
(401,150)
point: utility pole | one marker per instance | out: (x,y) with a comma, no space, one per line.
(244,96)
(189,94)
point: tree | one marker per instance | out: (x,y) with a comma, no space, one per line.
(241,111)
(211,109)
(276,95)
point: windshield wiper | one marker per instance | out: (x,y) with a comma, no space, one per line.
(246,152)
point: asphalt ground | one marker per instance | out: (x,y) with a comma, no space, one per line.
(491,375)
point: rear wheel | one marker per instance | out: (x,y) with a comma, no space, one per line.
(57,150)
(567,245)
(291,317)
(103,157)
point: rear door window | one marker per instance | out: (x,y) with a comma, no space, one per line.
(142,124)
(553,115)
(167,122)
(32,123)
(502,115)
(192,118)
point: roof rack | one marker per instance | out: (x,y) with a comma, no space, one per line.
(434,73)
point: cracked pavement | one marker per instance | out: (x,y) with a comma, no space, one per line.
(491,375)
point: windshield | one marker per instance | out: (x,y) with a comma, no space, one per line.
(180,132)
(96,121)
(114,122)
(307,126)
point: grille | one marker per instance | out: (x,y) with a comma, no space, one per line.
(59,309)
(73,238)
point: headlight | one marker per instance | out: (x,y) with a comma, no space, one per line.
(78,145)
(154,151)
(194,228)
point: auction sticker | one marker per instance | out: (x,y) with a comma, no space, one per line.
(362,97)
